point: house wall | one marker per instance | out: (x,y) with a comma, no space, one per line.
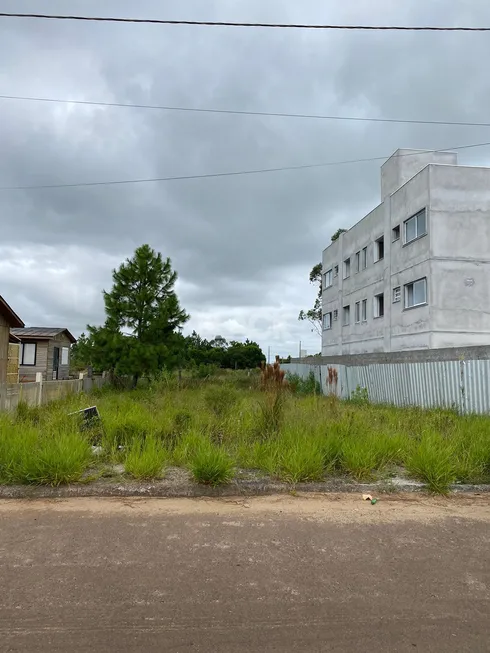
(4,348)
(63,370)
(28,372)
(408,328)
(460,252)
(44,360)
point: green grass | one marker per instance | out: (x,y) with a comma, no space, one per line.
(211,465)
(433,461)
(215,426)
(145,459)
(49,458)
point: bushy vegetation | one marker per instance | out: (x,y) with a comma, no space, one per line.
(237,421)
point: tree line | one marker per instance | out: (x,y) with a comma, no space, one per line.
(142,332)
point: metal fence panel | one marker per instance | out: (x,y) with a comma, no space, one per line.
(462,385)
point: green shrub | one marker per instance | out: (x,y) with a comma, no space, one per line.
(145,459)
(205,371)
(359,396)
(212,466)
(300,386)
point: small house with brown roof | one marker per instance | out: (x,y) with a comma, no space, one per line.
(8,320)
(45,350)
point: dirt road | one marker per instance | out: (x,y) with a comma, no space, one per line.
(316,573)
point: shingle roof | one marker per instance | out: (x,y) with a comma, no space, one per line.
(42,333)
(12,318)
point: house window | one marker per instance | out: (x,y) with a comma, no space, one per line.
(336,271)
(358,261)
(416,293)
(357,312)
(335,314)
(364,258)
(416,226)
(364,310)
(347,268)
(28,353)
(379,249)
(395,233)
(327,321)
(346,315)
(397,294)
(327,279)
(379,305)
(65,355)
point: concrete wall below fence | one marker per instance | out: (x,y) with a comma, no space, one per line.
(37,394)
(463,385)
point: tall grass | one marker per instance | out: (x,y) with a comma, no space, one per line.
(222,424)
(50,458)
(433,461)
(145,459)
(211,465)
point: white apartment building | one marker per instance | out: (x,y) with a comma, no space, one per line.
(415,272)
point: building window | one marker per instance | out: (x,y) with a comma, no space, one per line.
(379,249)
(346,315)
(64,355)
(28,353)
(397,294)
(358,261)
(336,271)
(327,321)
(364,310)
(416,293)
(357,312)
(416,226)
(347,268)
(395,233)
(335,314)
(379,305)
(327,277)
(364,258)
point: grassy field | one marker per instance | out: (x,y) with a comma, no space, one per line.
(215,428)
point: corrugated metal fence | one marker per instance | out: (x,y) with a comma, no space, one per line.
(463,385)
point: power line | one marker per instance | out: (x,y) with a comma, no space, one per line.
(229,174)
(273,114)
(210,23)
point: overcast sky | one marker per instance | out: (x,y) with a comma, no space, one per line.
(243,246)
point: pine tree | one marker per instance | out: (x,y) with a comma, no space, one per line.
(143,317)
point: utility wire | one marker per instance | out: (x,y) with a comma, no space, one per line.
(209,23)
(245,113)
(230,174)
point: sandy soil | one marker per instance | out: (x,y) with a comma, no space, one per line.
(341,508)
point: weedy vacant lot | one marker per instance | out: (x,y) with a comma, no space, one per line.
(219,426)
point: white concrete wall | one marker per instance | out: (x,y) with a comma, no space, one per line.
(405,163)
(460,251)
(408,328)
